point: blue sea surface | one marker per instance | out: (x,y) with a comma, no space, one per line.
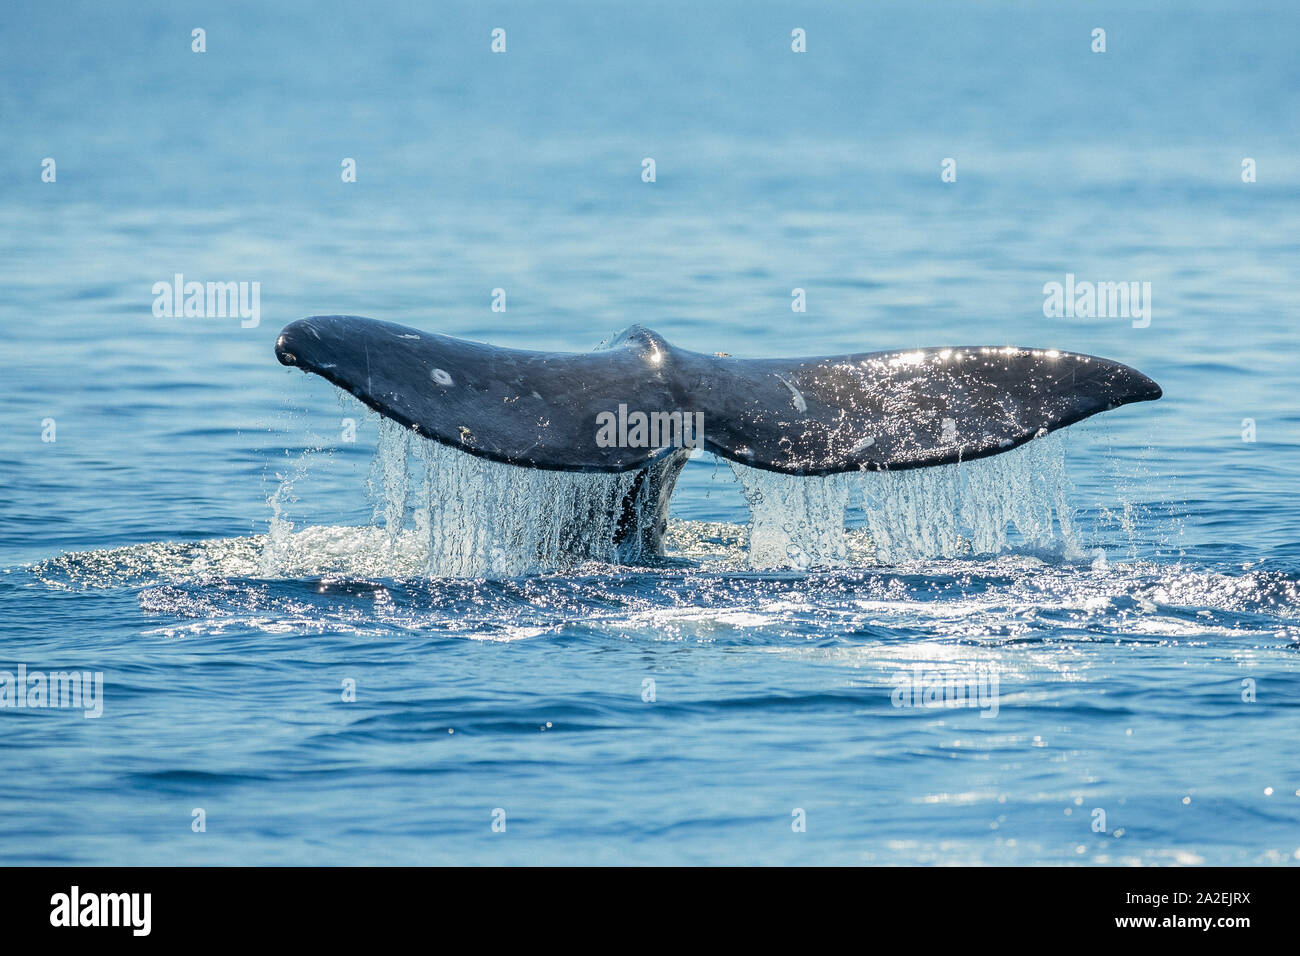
(701,711)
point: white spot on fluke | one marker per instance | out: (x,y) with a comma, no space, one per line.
(797,396)
(441,377)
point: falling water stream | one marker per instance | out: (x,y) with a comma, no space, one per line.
(449,514)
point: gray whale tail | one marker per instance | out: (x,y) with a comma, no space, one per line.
(799,416)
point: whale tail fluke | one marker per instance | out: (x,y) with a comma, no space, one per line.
(638,402)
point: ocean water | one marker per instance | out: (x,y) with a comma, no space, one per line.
(1117,608)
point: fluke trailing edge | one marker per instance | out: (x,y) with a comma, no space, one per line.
(800,416)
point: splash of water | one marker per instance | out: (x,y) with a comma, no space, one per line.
(481,518)
(971,507)
(925,513)
(795,522)
(393,462)
(450,514)
(279,536)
